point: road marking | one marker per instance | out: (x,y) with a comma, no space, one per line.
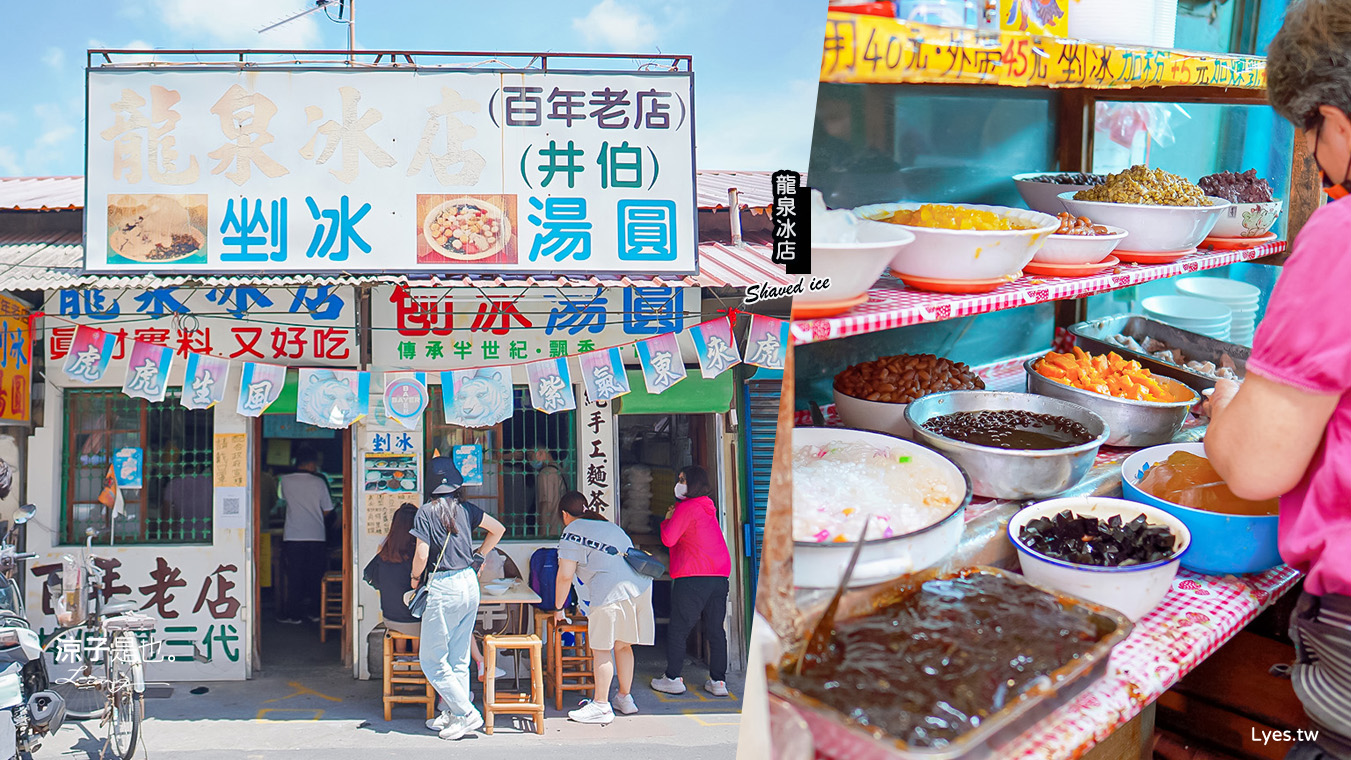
(301,691)
(694,717)
(316,715)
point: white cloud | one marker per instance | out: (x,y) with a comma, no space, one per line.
(54,57)
(756,130)
(617,27)
(9,162)
(58,135)
(236,23)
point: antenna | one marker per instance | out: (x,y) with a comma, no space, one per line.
(324,5)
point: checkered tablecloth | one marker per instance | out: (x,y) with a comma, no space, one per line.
(1199,614)
(891,304)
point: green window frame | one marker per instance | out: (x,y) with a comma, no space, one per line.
(175,504)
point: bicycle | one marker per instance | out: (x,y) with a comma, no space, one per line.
(117,696)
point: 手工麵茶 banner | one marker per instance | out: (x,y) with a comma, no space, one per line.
(445,171)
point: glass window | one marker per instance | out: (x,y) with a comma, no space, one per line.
(175,504)
(523,498)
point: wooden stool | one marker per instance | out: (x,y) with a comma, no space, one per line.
(405,682)
(330,606)
(571,668)
(494,702)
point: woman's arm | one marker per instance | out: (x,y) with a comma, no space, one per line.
(420,561)
(674,526)
(567,570)
(495,532)
(1263,434)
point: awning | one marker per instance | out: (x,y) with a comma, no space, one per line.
(693,395)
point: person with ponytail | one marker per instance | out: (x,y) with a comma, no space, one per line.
(617,602)
(700,567)
(445,525)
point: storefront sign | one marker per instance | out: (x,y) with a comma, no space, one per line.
(313,325)
(16,361)
(596,466)
(390,471)
(388,170)
(444,328)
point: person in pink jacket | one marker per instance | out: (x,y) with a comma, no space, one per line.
(700,566)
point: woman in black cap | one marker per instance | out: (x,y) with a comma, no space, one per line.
(444,529)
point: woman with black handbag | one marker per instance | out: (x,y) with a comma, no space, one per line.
(593,552)
(448,601)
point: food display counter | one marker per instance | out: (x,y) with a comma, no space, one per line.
(1078,469)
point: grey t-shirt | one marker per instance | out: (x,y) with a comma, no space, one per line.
(307,499)
(459,552)
(603,575)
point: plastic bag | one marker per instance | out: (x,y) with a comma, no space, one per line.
(69,604)
(1122,122)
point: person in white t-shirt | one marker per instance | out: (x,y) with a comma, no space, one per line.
(304,539)
(591,554)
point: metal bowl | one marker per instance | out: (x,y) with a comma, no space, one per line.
(1010,473)
(1133,423)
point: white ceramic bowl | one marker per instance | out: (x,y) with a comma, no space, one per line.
(967,254)
(1187,309)
(881,416)
(1231,293)
(1044,196)
(1079,249)
(817,565)
(1153,229)
(1132,590)
(1242,220)
(854,267)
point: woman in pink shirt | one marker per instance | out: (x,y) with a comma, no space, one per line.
(1287,431)
(700,566)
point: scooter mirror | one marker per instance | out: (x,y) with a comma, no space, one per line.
(25,513)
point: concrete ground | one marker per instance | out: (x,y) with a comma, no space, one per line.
(308,705)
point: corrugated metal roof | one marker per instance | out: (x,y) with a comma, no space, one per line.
(754,188)
(55,193)
(56,262)
(41,193)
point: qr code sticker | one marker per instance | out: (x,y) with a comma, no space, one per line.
(231,505)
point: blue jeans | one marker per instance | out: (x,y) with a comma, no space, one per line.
(447,629)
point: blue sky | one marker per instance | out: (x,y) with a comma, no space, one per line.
(756,62)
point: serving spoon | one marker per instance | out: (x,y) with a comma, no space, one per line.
(817,641)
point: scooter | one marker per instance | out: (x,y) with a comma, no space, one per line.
(28,709)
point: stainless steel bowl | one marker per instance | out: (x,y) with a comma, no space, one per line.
(1133,423)
(1010,473)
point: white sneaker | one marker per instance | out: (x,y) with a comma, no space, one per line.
(598,713)
(716,688)
(460,726)
(624,704)
(440,722)
(669,685)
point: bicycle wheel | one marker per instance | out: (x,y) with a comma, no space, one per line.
(126,701)
(84,701)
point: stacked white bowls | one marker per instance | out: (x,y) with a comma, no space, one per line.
(1199,315)
(1240,297)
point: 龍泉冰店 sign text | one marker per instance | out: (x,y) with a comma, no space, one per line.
(388,170)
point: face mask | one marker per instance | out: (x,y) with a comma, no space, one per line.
(1335,192)
(680,491)
(536,465)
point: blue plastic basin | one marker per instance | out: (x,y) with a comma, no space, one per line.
(1221,544)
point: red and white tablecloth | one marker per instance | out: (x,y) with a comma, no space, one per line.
(891,304)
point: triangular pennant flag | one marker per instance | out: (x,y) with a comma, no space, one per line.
(259,386)
(766,342)
(148,371)
(91,350)
(551,385)
(477,398)
(204,381)
(406,397)
(603,374)
(332,398)
(662,365)
(716,346)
